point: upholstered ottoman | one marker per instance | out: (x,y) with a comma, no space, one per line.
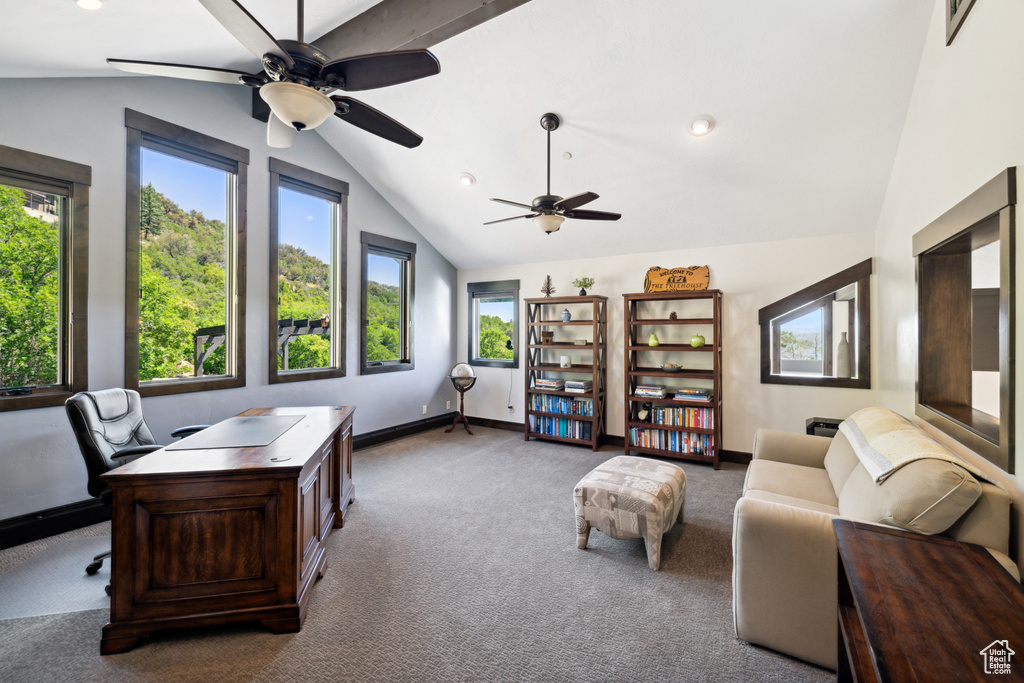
(630,497)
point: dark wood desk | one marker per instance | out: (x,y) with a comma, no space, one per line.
(920,608)
(224,535)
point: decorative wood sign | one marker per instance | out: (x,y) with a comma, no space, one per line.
(677,279)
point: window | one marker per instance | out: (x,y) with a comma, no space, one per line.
(386,299)
(185,331)
(820,335)
(965,321)
(307,261)
(44,277)
(494,323)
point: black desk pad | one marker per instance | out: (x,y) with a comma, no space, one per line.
(238,432)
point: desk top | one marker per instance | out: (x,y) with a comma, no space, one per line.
(290,451)
(930,605)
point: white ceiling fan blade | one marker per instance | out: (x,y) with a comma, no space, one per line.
(279,133)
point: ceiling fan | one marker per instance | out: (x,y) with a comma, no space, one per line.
(298,77)
(550,210)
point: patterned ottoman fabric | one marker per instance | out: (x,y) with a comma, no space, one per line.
(630,497)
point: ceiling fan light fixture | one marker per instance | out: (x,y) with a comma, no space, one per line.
(548,222)
(298,105)
(702,125)
(89,4)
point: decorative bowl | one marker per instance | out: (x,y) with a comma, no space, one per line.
(671,367)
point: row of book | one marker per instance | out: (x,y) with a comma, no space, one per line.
(701,418)
(549,384)
(562,404)
(561,426)
(677,442)
(579,386)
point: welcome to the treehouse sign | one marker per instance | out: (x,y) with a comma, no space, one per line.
(677,279)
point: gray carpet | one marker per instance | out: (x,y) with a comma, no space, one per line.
(458,563)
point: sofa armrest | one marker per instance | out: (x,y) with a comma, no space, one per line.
(796,449)
(784,579)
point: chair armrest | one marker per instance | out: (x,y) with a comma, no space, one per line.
(796,449)
(187,431)
(135,451)
(784,579)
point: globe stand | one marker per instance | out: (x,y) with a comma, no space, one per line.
(462,384)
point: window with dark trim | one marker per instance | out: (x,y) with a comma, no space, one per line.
(820,336)
(307,263)
(44,279)
(185,259)
(386,301)
(494,323)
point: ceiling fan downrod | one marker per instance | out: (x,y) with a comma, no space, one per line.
(549,122)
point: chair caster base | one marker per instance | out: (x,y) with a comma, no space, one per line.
(93,568)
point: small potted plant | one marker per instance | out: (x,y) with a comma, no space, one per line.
(583,283)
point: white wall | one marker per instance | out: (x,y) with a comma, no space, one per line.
(963,127)
(82,120)
(750,276)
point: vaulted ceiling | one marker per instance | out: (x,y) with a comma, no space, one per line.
(809,99)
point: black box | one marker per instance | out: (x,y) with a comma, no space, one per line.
(823,426)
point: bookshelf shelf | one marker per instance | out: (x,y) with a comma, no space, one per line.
(589,363)
(668,427)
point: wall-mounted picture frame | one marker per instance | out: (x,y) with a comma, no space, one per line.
(956,12)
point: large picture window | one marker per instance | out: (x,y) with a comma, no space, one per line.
(307,261)
(185,259)
(494,323)
(387,303)
(44,260)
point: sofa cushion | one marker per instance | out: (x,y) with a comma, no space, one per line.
(796,481)
(926,496)
(987,523)
(840,461)
(769,497)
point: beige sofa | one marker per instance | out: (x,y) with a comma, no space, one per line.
(784,549)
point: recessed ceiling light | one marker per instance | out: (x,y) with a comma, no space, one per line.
(89,4)
(702,125)
(467,179)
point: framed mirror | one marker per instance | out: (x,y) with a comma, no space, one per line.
(965,319)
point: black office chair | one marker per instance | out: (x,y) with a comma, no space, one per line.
(111,430)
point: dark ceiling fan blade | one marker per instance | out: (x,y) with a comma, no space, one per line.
(513,218)
(192,73)
(586,215)
(505,201)
(362,115)
(367,72)
(246,30)
(570,203)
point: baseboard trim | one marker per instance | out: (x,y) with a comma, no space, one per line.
(53,521)
(399,431)
(738,457)
(495,424)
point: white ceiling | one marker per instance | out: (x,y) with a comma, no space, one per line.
(809,99)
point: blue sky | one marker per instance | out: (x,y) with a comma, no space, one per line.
(502,309)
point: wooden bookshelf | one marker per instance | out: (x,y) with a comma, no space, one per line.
(688,429)
(551,414)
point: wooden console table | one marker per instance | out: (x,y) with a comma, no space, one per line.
(923,608)
(211,536)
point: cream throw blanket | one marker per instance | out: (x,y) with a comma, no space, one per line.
(885,441)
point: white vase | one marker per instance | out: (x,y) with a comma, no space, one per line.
(843,357)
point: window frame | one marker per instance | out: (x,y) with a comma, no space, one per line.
(382,245)
(818,295)
(492,287)
(284,174)
(169,138)
(72,181)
